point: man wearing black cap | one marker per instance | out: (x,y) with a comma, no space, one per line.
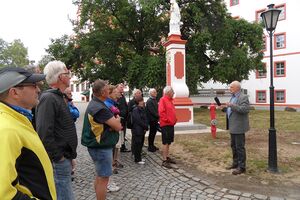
(26,171)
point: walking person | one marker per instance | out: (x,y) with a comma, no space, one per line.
(100,134)
(238,121)
(153,117)
(56,127)
(139,128)
(25,169)
(167,120)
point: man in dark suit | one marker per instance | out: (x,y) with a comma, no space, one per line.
(152,114)
(238,121)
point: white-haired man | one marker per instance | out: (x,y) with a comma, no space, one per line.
(167,120)
(26,171)
(152,115)
(136,93)
(238,122)
(56,127)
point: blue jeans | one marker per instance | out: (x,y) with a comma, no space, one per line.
(102,159)
(62,176)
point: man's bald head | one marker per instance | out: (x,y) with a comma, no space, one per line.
(235,87)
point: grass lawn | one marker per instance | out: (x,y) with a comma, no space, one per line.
(210,155)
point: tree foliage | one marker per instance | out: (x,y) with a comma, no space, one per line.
(13,54)
(121,40)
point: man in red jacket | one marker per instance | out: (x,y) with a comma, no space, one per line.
(167,120)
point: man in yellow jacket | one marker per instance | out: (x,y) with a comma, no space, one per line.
(25,169)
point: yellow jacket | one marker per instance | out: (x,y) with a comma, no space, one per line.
(25,168)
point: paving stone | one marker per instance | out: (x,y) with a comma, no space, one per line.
(259,196)
(229,196)
(150,181)
(235,192)
(276,198)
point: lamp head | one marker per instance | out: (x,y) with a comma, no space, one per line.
(270,18)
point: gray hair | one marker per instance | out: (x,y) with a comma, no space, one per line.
(135,91)
(98,87)
(236,83)
(52,71)
(151,90)
(167,89)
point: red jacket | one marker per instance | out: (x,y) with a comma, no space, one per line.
(166,110)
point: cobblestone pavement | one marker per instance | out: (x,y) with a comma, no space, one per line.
(150,181)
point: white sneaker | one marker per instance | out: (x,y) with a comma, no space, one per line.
(141,162)
(113,188)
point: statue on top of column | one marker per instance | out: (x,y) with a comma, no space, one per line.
(174,25)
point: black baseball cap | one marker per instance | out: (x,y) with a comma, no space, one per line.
(12,76)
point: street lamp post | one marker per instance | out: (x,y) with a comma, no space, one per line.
(270,18)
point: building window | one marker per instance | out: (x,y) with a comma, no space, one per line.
(280,96)
(279,69)
(72,88)
(283,11)
(77,87)
(261,96)
(280,41)
(264,43)
(234,2)
(262,73)
(257,15)
(82,86)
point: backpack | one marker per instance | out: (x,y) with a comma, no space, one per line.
(129,123)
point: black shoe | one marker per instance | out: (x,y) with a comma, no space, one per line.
(231,167)
(151,149)
(239,171)
(115,171)
(166,164)
(125,150)
(170,160)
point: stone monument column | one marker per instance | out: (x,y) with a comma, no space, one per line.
(175,68)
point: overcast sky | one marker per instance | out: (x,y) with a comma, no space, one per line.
(35,22)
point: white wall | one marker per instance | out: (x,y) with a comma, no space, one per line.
(247,10)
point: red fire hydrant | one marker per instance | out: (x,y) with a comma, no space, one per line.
(213,122)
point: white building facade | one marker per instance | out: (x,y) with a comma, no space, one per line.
(286,54)
(80,90)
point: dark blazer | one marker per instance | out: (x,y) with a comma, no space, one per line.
(139,121)
(238,120)
(152,110)
(131,104)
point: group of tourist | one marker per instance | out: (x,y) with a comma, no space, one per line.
(39,163)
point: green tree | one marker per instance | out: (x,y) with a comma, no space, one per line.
(13,54)
(121,40)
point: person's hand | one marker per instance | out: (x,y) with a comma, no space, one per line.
(73,163)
